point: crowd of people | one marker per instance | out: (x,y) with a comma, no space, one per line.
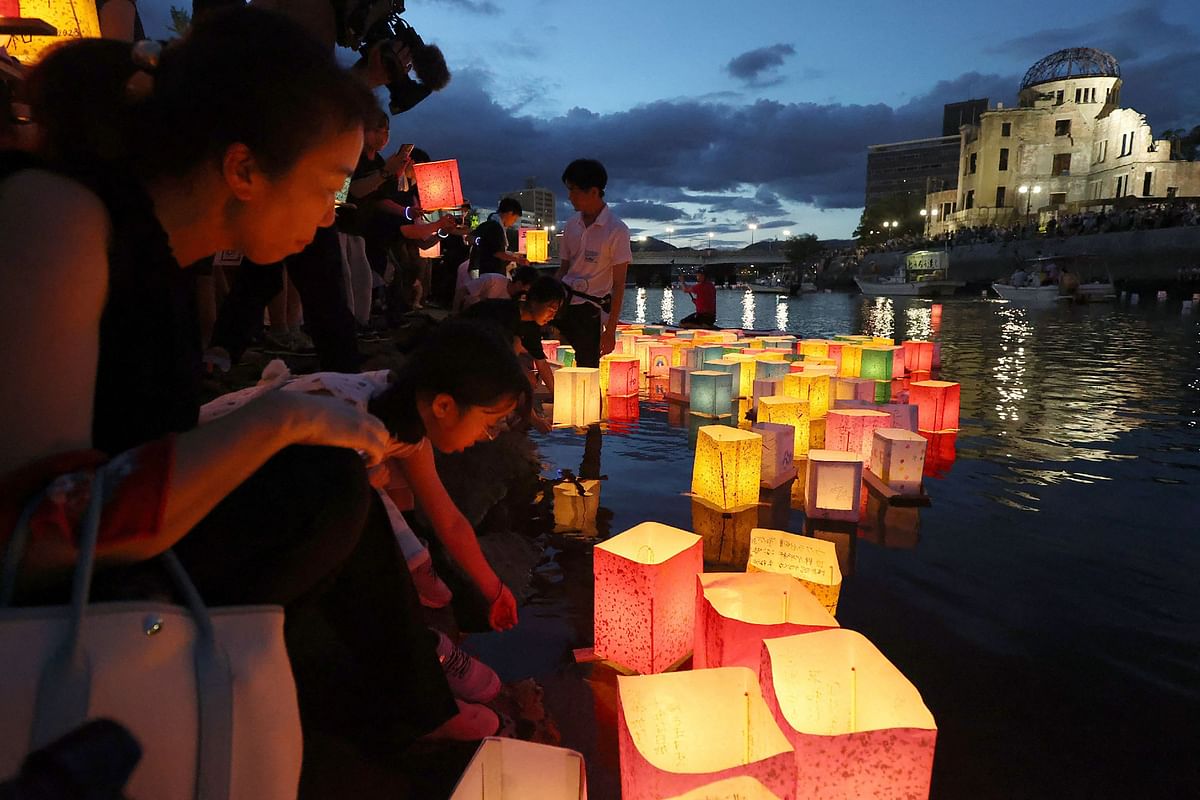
(152,205)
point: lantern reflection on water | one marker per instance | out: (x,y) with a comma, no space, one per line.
(726,534)
(813,562)
(511,769)
(576,504)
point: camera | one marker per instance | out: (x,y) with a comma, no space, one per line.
(369,23)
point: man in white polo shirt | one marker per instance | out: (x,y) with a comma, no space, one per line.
(595,257)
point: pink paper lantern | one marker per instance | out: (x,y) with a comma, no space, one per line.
(833,485)
(851,429)
(645,596)
(659,357)
(624,376)
(736,611)
(682,731)
(858,726)
(438,185)
(918,356)
(854,389)
(550,348)
(937,405)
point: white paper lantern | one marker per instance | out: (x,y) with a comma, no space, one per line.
(577,396)
(812,561)
(833,485)
(511,769)
(778,453)
(898,458)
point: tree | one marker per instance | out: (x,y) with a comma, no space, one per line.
(904,209)
(802,248)
(1184,144)
(181,20)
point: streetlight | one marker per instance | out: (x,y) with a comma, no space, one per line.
(1029,192)
(787,234)
(753,227)
(670,230)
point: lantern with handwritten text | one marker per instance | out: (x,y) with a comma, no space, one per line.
(624,376)
(577,396)
(833,485)
(438,185)
(743,788)
(728,466)
(937,405)
(682,731)
(712,393)
(851,429)
(778,452)
(811,561)
(788,410)
(859,727)
(898,458)
(72,19)
(511,769)
(536,245)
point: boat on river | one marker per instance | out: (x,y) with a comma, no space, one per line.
(1075,279)
(924,273)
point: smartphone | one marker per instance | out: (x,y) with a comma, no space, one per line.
(405,150)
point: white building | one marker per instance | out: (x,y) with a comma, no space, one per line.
(537,205)
(1068,145)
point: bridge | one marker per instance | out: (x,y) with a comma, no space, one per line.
(652,267)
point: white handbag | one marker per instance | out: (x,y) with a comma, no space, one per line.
(209,695)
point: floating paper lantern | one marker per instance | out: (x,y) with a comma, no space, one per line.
(72,19)
(711,393)
(726,534)
(710,352)
(812,387)
(684,730)
(853,389)
(656,388)
(654,330)
(882,341)
(566,355)
(623,376)
(511,769)
(685,334)
(813,348)
(735,370)
(877,363)
(898,458)
(743,788)
(833,485)
(625,343)
(659,356)
(858,726)
(679,351)
(577,396)
(886,390)
(736,611)
(903,415)
(918,356)
(778,452)
(937,405)
(813,562)
(536,245)
(438,185)
(768,387)
(851,430)
(575,507)
(779,342)
(791,411)
(645,596)
(693,358)
(728,466)
(851,364)
(771,369)
(550,348)
(641,347)
(749,373)
(678,383)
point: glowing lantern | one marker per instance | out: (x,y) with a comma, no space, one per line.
(641,347)
(684,730)
(566,355)
(679,351)
(575,506)
(72,19)
(550,348)
(577,396)
(788,410)
(536,245)
(625,342)
(743,788)
(771,369)
(778,453)
(876,363)
(809,386)
(918,356)
(833,485)
(779,342)
(898,458)
(623,376)
(735,370)
(645,596)
(726,534)
(940,453)
(712,393)
(937,405)
(813,562)
(749,372)
(511,769)
(765,387)
(438,185)
(858,726)
(882,341)
(903,415)
(659,359)
(710,352)
(754,344)
(678,383)
(685,334)
(728,466)
(736,611)
(851,364)
(813,348)
(693,358)
(851,430)
(653,330)
(854,389)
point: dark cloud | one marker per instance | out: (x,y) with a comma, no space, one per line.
(750,66)
(641,209)
(485,7)
(1140,32)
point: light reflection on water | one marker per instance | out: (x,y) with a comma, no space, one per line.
(748,318)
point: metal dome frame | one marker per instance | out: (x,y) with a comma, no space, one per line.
(1073,62)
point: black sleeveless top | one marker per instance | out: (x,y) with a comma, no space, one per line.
(149,371)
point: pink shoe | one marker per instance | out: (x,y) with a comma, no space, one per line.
(469,678)
(471,723)
(432,591)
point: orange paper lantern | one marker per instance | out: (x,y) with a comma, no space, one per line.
(918,356)
(438,185)
(937,405)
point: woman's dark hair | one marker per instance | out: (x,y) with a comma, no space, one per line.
(240,75)
(546,289)
(470,361)
(586,173)
(525,274)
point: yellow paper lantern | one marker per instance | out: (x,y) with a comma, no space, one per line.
(809,386)
(577,396)
(736,611)
(645,596)
(851,360)
(833,485)
(728,466)
(813,348)
(811,561)
(511,769)
(683,730)
(536,245)
(73,19)
(859,727)
(788,410)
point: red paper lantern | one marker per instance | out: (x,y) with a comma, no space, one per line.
(937,405)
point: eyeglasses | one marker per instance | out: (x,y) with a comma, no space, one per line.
(494,430)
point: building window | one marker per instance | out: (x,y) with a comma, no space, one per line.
(1058,98)
(1100,151)
(1121,181)
(1003,159)
(1108,95)
(970,198)
(971,166)
(1058,198)
(1062,164)
(1092,93)
(999,197)
(1172,191)
(1006,129)
(1062,127)
(1079,95)
(1148,184)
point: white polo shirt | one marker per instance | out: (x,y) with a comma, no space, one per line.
(487,287)
(593,250)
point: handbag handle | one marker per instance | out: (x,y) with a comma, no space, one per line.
(65,684)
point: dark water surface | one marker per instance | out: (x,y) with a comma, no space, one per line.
(1047,605)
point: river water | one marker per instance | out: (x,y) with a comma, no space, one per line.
(1047,604)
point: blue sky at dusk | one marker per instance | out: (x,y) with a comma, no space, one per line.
(713,115)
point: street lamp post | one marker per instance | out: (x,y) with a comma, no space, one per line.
(753,227)
(1029,192)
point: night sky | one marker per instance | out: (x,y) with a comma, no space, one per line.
(710,115)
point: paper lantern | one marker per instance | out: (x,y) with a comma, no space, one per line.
(72,19)
(550,348)
(813,562)
(940,453)
(749,372)
(816,434)
(876,363)
(623,376)
(712,393)
(693,358)
(679,351)
(511,769)
(645,596)
(779,342)
(851,430)
(898,458)
(710,352)
(768,387)
(743,788)
(654,330)
(536,245)
(728,466)
(641,348)
(625,343)
(903,415)
(858,726)
(735,370)
(622,410)
(438,185)
(918,356)
(771,369)
(656,388)
(778,452)
(854,389)
(684,730)
(882,341)
(851,364)
(726,534)
(685,334)
(659,360)
(577,396)
(791,411)
(576,504)
(813,348)
(678,383)
(736,611)
(833,485)
(566,355)
(811,387)
(937,405)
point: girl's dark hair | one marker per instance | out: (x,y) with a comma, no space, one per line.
(240,75)
(546,289)
(468,360)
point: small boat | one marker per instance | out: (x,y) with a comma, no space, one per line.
(1085,287)
(923,274)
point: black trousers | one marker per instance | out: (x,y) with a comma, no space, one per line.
(580,325)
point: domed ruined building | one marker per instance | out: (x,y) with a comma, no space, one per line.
(1069,143)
